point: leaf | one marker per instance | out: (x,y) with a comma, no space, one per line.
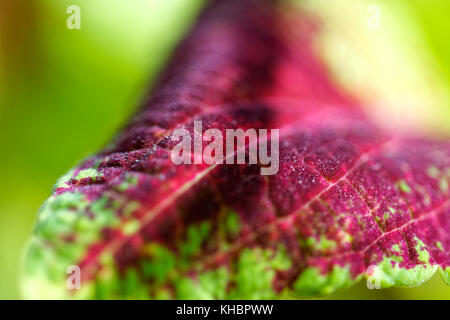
(349,200)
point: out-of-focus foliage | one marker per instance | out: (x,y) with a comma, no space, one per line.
(393,55)
(63,93)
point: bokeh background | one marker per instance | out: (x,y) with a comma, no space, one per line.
(63,93)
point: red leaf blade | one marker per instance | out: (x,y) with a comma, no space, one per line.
(348,199)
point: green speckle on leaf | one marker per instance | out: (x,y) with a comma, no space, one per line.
(312,282)
(129,181)
(187,288)
(196,235)
(322,244)
(256,271)
(131,286)
(233,224)
(445,274)
(162,294)
(387,214)
(209,285)
(215,282)
(403,186)
(129,208)
(61,216)
(88,173)
(160,263)
(62,182)
(388,273)
(424,255)
(107,284)
(345,237)
(131,227)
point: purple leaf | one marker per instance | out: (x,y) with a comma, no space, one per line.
(349,200)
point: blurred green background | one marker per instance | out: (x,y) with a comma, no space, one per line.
(63,93)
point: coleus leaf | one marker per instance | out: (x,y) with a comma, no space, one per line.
(349,200)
